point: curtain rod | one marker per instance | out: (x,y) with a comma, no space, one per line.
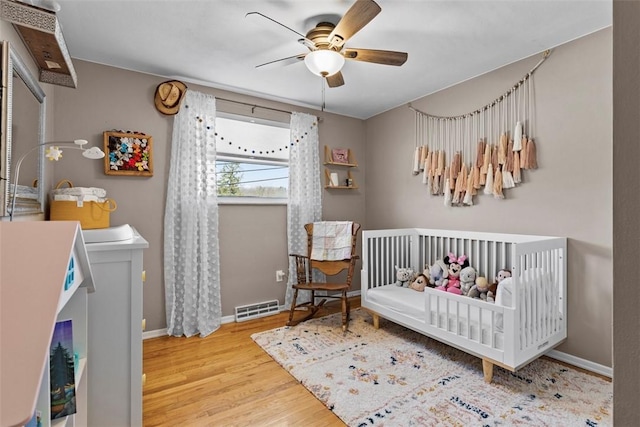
(254,106)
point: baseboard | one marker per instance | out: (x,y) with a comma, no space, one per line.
(154,334)
(581,363)
(163,332)
(225,319)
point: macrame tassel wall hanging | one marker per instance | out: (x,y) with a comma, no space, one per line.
(482,152)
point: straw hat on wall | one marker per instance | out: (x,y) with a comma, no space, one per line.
(169,95)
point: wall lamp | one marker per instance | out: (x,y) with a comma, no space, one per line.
(54,152)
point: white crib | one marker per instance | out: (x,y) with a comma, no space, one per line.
(529,320)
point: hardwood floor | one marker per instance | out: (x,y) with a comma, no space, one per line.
(226,379)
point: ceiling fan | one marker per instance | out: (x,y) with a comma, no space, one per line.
(326,43)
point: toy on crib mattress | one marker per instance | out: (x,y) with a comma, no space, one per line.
(502,274)
(467,279)
(419,283)
(481,290)
(437,273)
(404,276)
(454,267)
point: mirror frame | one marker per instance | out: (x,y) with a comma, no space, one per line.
(12,64)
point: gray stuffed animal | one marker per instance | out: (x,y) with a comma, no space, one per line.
(467,279)
(404,276)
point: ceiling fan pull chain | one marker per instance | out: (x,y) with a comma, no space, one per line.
(322,83)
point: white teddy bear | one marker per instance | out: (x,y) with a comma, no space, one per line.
(404,276)
(467,279)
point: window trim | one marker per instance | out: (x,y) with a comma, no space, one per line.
(243,158)
(234,200)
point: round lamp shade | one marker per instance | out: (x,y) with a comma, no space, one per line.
(324,62)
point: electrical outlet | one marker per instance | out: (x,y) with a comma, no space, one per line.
(279,276)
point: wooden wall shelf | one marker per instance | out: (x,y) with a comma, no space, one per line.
(342,183)
(329,160)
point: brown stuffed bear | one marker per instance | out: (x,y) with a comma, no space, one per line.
(419,283)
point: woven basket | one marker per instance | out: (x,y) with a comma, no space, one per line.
(90,214)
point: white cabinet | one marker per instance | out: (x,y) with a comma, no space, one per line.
(115,328)
(44,278)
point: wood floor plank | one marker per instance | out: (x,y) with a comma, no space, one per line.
(226,379)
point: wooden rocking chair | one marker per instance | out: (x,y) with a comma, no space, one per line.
(304,268)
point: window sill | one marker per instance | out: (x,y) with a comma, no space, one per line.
(250,201)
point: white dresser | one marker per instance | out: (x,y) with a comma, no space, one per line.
(115,327)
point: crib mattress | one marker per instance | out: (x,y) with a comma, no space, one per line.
(401,300)
(412,303)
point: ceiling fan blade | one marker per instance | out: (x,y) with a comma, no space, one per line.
(282,25)
(299,57)
(359,15)
(386,57)
(335,80)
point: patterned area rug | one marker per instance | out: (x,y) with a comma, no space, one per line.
(396,377)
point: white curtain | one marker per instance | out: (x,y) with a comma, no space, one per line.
(305,189)
(191,252)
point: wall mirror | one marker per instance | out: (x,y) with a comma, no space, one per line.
(22,123)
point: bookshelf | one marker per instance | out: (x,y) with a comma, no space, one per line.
(44,278)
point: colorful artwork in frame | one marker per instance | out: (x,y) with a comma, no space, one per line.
(128,153)
(340,155)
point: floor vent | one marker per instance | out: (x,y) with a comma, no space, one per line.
(253,311)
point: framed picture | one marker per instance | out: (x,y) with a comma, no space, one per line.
(62,380)
(128,153)
(340,155)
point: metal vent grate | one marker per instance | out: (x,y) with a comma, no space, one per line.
(253,311)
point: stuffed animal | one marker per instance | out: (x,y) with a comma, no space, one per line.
(437,273)
(454,267)
(404,276)
(502,274)
(419,283)
(467,279)
(481,290)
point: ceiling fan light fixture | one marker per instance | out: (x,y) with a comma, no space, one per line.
(324,62)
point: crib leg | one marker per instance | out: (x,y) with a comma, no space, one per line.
(487,369)
(376,321)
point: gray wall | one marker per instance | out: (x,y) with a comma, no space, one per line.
(253,238)
(569,195)
(626,205)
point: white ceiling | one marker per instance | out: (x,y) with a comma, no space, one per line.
(212,43)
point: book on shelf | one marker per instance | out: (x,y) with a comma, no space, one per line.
(62,371)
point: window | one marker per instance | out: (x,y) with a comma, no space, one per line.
(252,163)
